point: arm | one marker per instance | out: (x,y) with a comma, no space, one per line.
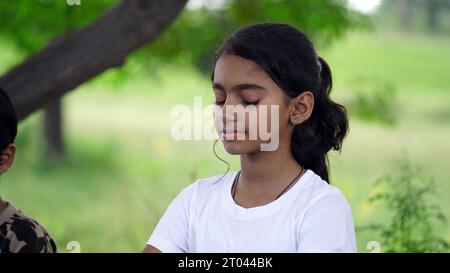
(171,233)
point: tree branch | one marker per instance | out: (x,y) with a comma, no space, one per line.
(82,54)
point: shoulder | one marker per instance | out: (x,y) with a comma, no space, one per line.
(205,187)
(20,233)
(326,224)
(325,197)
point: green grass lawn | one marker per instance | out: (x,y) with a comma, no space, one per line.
(123,168)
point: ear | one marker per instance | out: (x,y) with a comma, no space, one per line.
(301,107)
(7,157)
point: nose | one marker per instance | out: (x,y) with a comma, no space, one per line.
(229,117)
(229,114)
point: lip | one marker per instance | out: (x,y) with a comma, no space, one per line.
(225,132)
(232,135)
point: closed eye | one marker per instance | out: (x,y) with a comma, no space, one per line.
(250,102)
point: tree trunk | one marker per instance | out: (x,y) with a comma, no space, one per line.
(432,10)
(406,12)
(80,55)
(53,131)
(53,121)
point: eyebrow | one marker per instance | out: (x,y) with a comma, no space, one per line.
(239,87)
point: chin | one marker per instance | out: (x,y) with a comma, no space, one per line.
(239,147)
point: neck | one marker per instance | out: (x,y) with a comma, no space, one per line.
(266,174)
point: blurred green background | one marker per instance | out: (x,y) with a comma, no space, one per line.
(120,167)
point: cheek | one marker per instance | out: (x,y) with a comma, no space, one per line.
(266,119)
(284,119)
(218,119)
(276,117)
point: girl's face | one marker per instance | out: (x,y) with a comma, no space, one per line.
(241,82)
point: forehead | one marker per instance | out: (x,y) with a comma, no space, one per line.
(232,69)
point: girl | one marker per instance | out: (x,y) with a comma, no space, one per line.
(280,200)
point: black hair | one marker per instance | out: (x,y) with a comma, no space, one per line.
(288,56)
(8,121)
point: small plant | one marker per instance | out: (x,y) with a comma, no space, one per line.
(407,195)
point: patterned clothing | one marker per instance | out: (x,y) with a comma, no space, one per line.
(19,233)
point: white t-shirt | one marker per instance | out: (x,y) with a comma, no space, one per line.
(312,216)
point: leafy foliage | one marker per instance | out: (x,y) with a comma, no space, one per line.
(407,196)
(30,24)
(323,21)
